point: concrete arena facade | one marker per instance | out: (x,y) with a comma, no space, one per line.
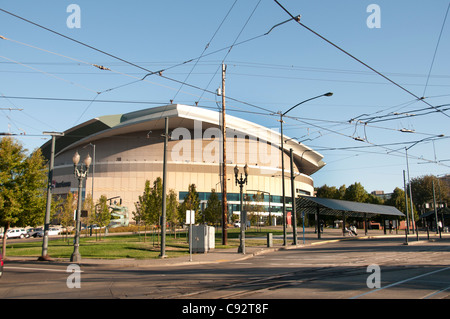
(127,149)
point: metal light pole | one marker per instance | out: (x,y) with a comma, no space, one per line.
(45,255)
(224,165)
(435,210)
(164,186)
(282,160)
(294,209)
(80,172)
(409,181)
(241,181)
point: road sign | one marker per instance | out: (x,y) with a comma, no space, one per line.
(190,217)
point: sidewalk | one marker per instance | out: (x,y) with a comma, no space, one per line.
(227,255)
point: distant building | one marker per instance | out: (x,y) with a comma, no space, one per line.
(382,195)
(129,150)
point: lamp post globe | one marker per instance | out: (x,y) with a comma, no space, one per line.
(246,170)
(87,161)
(76,159)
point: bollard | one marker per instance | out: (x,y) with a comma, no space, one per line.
(269,239)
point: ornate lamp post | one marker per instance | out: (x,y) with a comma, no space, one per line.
(241,181)
(80,172)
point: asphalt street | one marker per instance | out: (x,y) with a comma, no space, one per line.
(330,268)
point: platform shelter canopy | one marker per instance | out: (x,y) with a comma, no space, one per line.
(440,211)
(327,206)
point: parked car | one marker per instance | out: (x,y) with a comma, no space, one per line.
(34,232)
(52,231)
(237,223)
(15,233)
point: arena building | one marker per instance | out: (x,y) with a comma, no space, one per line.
(127,149)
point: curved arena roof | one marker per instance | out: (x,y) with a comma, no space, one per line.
(308,160)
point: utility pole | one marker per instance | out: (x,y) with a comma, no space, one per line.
(45,255)
(435,209)
(224,164)
(294,208)
(406,206)
(164,185)
(282,181)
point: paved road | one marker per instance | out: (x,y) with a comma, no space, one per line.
(331,270)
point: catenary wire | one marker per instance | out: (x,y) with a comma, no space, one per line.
(358,60)
(128,62)
(435,50)
(206,47)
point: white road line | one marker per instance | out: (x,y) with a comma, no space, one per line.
(36,269)
(437,292)
(401,282)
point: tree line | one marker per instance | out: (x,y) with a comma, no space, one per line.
(23,188)
(148,208)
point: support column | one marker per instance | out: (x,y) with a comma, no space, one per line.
(343,224)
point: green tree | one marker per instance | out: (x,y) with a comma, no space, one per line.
(172,210)
(149,205)
(22,186)
(422,190)
(142,209)
(89,207)
(103,215)
(329,192)
(155,202)
(213,210)
(356,193)
(67,212)
(191,202)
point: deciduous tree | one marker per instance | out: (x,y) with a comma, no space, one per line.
(22,186)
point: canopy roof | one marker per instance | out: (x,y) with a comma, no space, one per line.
(431,213)
(327,206)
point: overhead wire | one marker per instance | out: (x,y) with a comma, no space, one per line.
(358,60)
(135,64)
(150,72)
(231,47)
(435,50)
(207,46)
(90,64)
(49,74)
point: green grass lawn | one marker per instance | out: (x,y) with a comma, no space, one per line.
(137,246)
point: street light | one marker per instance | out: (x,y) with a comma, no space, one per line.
(80,171)
(241,181)
(282,160)
(409,181)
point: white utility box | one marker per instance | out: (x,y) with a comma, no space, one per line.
(203,238)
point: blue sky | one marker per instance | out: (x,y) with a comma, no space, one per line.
(358,129)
